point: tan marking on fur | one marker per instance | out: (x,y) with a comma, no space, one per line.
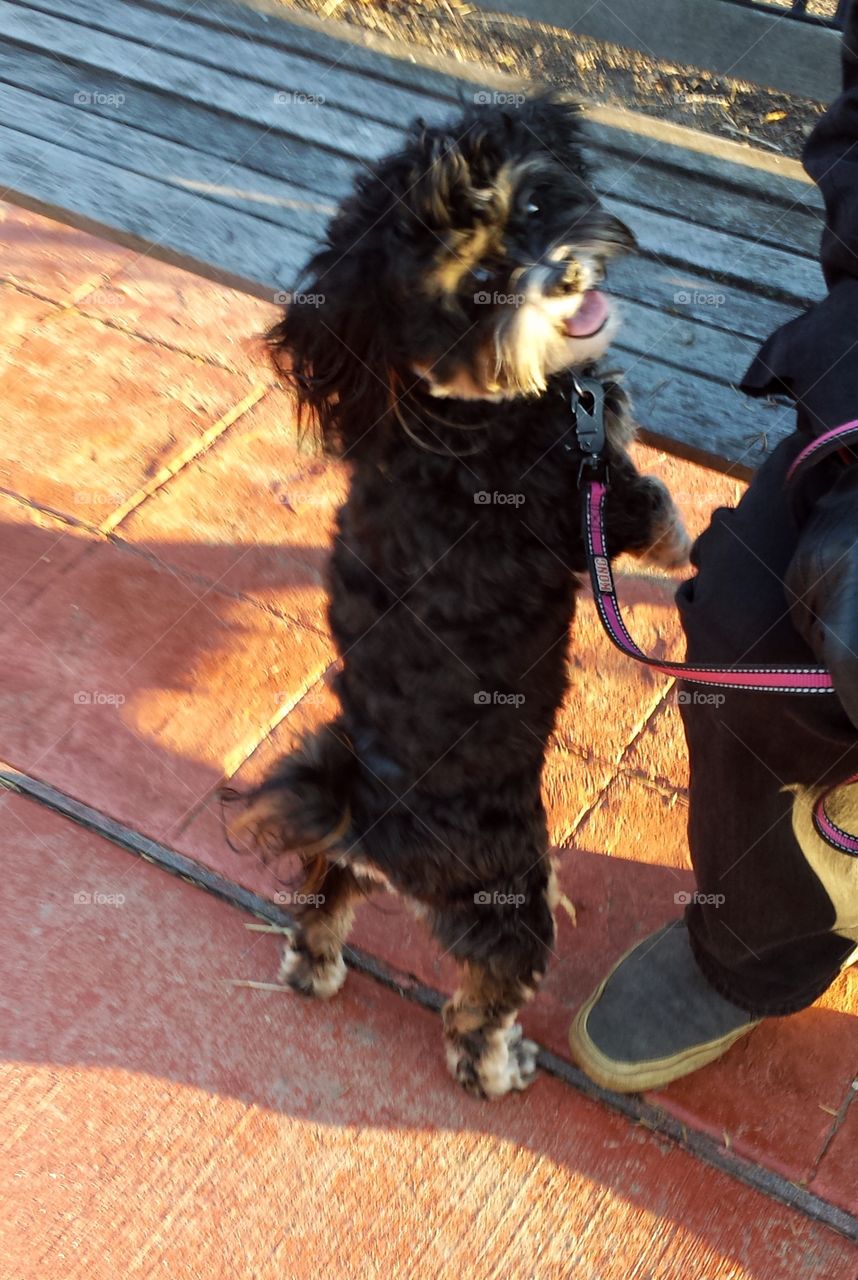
(552,888)
(508,1062)
(465,385)
(324,934)
(465,250)
(620,428)
(264,813)
(326,980)
(569,907)
(369,871)
(459,257)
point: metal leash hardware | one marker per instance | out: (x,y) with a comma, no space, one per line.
(587,402)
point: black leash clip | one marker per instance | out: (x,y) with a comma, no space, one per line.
(587,402)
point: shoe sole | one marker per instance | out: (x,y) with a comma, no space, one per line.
(635,1077)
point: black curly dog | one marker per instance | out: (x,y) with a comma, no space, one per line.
(454,295)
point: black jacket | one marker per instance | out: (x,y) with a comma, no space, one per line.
(814,359)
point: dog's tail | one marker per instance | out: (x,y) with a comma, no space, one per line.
(304,804)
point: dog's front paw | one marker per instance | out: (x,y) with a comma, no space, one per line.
(493,1063)
(321,977)
(670,544)
(672,547)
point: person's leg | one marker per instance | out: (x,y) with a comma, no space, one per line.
(762,925)
(775,916)
(778,912)
(765,935)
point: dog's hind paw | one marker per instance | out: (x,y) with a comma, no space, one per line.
(502,1062)
(521,1067)
(320,978)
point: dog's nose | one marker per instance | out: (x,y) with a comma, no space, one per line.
(569,278)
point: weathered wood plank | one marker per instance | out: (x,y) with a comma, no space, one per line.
(680,341)
(633,177)
(326,126)
(328,41)
(708,204)
(148,215)
(219,192)
(209,177)
(669,238)
(770,271)
(253,59)
(230,142)
(674,338)
(682,293)
(703,157)
(708,420)
(301,164)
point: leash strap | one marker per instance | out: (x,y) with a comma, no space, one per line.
(588,412)
(761,679)
(823,446)
(829,830)
(587,403)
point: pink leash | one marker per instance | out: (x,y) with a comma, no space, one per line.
(588,412)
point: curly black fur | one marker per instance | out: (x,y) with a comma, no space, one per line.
(456,560)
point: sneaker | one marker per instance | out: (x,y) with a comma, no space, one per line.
(654,1018)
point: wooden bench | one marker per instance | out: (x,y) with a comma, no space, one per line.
(221,136)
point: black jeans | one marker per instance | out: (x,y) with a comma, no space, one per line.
(763,920)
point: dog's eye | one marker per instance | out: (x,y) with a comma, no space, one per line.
(482,275)
(532,208)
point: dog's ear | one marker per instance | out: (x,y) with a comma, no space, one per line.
(554,121)
(328,346)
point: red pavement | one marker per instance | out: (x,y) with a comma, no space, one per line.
(162,627)
(162,1122)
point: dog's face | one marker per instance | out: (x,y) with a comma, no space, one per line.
(509,246)
(468,264)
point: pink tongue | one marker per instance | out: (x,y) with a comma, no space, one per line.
(590,316)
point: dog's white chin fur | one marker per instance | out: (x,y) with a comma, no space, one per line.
(530,346)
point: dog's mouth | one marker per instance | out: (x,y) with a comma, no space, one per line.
(590,318)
